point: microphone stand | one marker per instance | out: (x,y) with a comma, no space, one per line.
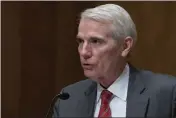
(63,96)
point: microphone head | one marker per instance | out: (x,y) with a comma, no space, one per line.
(64,96)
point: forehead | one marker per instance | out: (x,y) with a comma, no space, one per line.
(89,27)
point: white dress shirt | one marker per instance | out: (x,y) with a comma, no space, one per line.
(119,89)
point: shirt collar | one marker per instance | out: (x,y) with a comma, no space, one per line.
(119,87)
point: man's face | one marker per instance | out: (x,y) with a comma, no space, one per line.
(99,52)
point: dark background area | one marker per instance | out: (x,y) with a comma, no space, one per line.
(39,51)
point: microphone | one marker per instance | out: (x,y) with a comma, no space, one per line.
(62,96)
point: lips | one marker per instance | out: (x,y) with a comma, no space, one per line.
(87,66)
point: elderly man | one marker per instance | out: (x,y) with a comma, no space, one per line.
(114,88)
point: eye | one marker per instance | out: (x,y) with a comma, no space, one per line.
(96,41)
(78,40)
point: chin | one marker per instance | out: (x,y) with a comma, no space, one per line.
(90,74)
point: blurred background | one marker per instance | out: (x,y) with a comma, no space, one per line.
(39,51)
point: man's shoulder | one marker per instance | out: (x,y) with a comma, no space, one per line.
(156,75)
(157,78)
(80,86)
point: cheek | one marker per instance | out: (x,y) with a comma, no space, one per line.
(109,55)
(107,59)
(105,56)
(79,50)
(103,59)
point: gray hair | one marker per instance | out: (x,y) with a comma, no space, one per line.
(123,25)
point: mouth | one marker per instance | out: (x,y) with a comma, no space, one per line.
(87,66)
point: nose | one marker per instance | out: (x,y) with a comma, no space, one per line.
(85,51)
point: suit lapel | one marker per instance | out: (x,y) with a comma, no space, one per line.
(87,103)
(137,101)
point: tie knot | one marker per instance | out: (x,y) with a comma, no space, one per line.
(106,96)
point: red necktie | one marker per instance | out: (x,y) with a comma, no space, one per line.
(105,110)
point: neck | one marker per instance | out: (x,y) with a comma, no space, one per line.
(109,80)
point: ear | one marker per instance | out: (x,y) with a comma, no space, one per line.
(127,46)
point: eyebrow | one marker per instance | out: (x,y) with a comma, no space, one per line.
(78,37)
(92,37)
(99,38)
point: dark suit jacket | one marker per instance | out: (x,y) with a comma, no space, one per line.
(149,95)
